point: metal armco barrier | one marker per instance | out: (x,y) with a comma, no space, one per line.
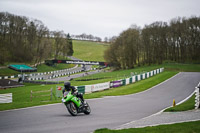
(9,77)
(56,75)
(197,97)
(51,62)
(35,74)
(42,82)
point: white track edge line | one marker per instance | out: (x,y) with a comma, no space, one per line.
(167,123)
(159,111)
(30,107)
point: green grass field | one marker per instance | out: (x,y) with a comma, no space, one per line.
(8,72)
(45,68)
(182,67)
(186,127)
(89,51)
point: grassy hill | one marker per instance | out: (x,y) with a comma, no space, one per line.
(85,50)
(89,51)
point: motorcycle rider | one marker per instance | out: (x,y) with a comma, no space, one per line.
(68,87)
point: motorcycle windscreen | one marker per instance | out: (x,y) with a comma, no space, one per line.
(66,93)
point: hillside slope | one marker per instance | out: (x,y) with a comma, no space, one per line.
(89,51)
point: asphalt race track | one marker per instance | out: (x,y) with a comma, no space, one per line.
(66,78)
(108,112)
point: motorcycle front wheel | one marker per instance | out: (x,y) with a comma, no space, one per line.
(88,110)
(72,109)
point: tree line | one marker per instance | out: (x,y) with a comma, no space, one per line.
(89,37)
(178,40)
(29,40)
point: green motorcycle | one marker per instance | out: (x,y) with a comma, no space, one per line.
(74,104)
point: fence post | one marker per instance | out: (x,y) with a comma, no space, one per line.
(31,95)
(51,93)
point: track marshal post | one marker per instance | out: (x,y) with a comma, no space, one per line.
(174,103)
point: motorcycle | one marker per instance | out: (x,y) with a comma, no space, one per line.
(74,104)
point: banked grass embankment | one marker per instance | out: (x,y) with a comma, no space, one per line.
(89,51)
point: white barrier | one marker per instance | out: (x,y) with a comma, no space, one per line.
(157,71)
(143,76)
(139,77)
(128,81)
(6,98)
(133,79)
(99,87)
(148,74)
(151,73)
(88,89)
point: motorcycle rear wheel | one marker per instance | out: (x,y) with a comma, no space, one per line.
(72,109)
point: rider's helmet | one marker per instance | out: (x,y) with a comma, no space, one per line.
(67,86)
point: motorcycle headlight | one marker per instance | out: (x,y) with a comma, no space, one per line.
(63,100)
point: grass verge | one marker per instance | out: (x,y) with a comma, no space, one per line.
(187,105)
(180,67)
(45,68)
(186,127)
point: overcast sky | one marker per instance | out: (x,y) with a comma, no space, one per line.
(103,18)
